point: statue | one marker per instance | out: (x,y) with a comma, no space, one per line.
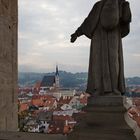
(106,25)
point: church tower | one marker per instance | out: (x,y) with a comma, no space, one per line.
(57,83)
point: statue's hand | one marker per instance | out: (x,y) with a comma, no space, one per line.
(73,37)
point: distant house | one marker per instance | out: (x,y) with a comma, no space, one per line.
(36,87)
(134,113)
(30,94)
(61,127)
(64,100)
(64,93)
(49,82)
(83,100)
(63,113)
(56,127)
(37,102)
(66,107)
(45,116)
(24,98)
(136,101)
(67,93)
(44,102)
(23,107)
(137,90)
(30,125)
(75,103)
(63,118)
(50,104)
(33,108)
(68,121)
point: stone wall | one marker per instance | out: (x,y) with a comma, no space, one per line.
(8,65)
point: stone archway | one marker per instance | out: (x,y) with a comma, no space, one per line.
(8,65)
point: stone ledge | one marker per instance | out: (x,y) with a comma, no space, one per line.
(102,135)
(29,136)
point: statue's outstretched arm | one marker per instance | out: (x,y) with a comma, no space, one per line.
(87,26)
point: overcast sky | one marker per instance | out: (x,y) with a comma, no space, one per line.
(45,27)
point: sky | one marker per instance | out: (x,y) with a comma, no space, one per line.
(45,27)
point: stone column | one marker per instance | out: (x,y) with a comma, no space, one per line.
(8,65)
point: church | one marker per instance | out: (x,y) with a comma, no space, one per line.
(50,82)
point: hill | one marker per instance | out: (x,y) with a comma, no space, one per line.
(67,79)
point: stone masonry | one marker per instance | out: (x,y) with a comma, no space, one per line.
(8,65)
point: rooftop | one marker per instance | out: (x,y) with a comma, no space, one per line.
(48,81)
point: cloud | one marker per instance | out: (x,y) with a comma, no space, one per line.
(45,27)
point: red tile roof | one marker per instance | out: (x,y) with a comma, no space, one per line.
(56,127)
(43,97)
(68,129)
(137,90)
(37,102)
(45,100)
(64,100)
(134,113)
(26,90)
(62,118)
(49,103)
(136,101)
(83,100)
(23,107)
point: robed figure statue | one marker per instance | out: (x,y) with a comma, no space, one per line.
(106,25)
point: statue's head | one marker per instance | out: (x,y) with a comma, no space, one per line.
(120,1)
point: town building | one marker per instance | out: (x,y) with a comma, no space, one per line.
(50,82)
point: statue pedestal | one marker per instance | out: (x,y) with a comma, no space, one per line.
(104,120)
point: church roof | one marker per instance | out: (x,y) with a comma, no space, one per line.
(48,81)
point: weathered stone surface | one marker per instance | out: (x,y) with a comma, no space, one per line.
(105,101)
(8,65)
(29,136)
(133,124)
(104,121)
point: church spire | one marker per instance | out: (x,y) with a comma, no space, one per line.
(57,72)
(57,77)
